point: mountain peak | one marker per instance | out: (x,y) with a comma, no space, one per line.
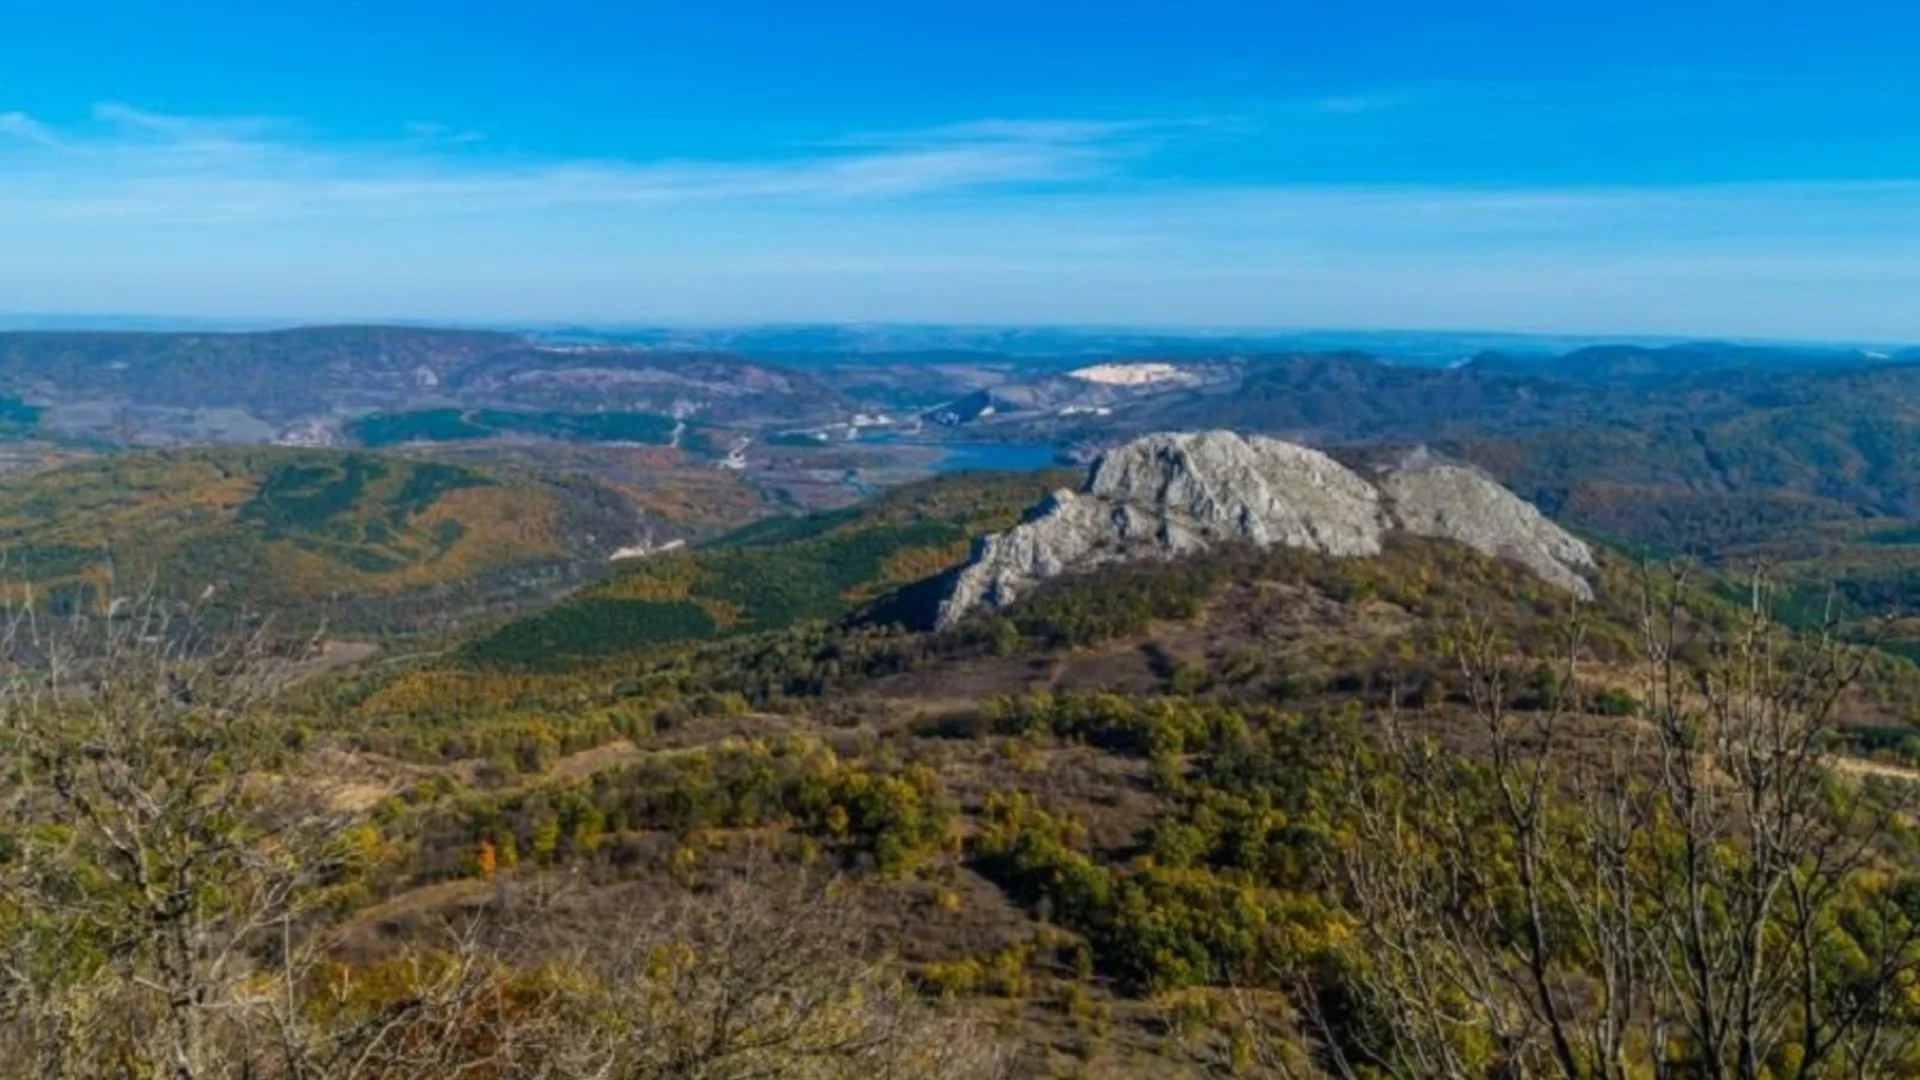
(1174,493)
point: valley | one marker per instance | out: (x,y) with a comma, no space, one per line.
(1799,457)
(1079,696)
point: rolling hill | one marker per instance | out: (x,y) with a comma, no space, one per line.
(1124,816)
(770,575)
(308,383)
(1091,810)
(368,541)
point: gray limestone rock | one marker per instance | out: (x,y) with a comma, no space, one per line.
(1428,497)
(1166,495)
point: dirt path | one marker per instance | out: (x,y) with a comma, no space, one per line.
(585,763)
(363,928)
(1851,766)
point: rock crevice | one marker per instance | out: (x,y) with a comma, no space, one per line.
(1167,495)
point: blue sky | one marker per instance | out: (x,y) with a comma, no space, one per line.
(1675,167)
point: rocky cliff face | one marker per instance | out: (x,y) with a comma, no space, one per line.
(1166,495)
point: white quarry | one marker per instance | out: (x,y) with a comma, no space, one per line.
(1136,374)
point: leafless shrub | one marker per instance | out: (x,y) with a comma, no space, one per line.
(168,887)
(1687,892)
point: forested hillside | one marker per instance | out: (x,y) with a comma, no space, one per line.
(365,542)
(1175,818)
(770,575)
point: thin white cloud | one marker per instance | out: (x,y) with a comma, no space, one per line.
(1001,130)
(996,218)
(440,133)
(136,164)
(185,129)
(140,164)
(1359,103)
(19,125)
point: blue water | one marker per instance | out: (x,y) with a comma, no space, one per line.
(999,457)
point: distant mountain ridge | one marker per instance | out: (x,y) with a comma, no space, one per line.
(184,387)
(1636,363)
(287,385)
(282,372)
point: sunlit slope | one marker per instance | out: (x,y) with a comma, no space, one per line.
(770,575)
(295,530)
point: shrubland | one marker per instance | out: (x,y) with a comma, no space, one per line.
(1256,814)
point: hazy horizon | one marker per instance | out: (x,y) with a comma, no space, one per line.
(11,322)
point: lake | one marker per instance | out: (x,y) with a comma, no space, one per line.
(997,457)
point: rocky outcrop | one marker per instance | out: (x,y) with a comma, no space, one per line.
(1427,496)
(1167,495)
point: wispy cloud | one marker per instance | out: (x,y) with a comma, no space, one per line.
(1040,132)
(19,125)
(1359,103)
(138,164)
(203,132)
(441,133)
(995,218)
